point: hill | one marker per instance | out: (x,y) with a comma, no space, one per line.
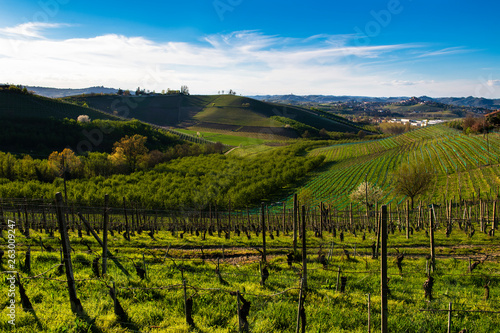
(36,125)
(15,104)
(466,166)
(475,102)
(217,113)
(61,92)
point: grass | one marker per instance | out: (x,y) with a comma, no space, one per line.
(17,106)
(156,304)
(227,139)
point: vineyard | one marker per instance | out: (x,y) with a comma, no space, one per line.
(134,270)
(466,166)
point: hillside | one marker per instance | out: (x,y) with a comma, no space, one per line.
(64,92)
(14,104)
(216,113)
(466,166)
(476,102)
(35,125)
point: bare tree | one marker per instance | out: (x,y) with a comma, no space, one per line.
(412,180)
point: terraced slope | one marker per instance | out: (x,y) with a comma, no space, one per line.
(464,166)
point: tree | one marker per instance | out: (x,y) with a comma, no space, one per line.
(367,191)
(131,149)
(184,90)
(65,162)
(323,133)
(412,180)
(83,118)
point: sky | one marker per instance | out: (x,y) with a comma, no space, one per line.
(436,48)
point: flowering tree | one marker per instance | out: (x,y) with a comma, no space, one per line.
(365,191)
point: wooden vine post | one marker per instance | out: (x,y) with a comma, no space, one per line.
(301,312)
(304,249)
(295,213)
(127,228)
(494,226)
(263,208)
(407,219)
(431,236)
(284,218)
(450,309)
(383,270)
(105,236)
(369,314)
(76,306)
(2,220)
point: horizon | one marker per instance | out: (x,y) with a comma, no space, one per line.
(258,95)
(388,48)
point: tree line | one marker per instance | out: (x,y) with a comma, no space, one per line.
(189,182)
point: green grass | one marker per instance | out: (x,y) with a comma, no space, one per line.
(231,140)
(464,166)
(158,300)
(16,105)
(213,109)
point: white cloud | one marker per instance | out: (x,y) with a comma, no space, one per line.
(246,61)
(29,29)
(445,51)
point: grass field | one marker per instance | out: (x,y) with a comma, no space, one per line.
(156,303)
(231,140)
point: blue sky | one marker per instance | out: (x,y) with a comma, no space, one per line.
(371,48)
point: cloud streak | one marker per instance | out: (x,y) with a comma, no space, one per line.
(246,61)
(29,29)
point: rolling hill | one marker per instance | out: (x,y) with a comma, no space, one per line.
(14,104)
(216,113)
(465,166)
(36,125)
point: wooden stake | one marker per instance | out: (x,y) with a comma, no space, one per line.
(449,317)
(304,249)
(407,219)
(300,310)
(295,227)
(127,228)
(105,237)
(238,307)
(263,207)
(369,314)
(431,236)
(76,306)
(383,274)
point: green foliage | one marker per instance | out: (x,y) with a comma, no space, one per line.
(297,125)
(189,182)
(412,180)
(42,136)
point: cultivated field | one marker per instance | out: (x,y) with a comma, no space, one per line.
(182,271)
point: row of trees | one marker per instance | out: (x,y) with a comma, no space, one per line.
(129,154)
(138,92)
(190,182)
